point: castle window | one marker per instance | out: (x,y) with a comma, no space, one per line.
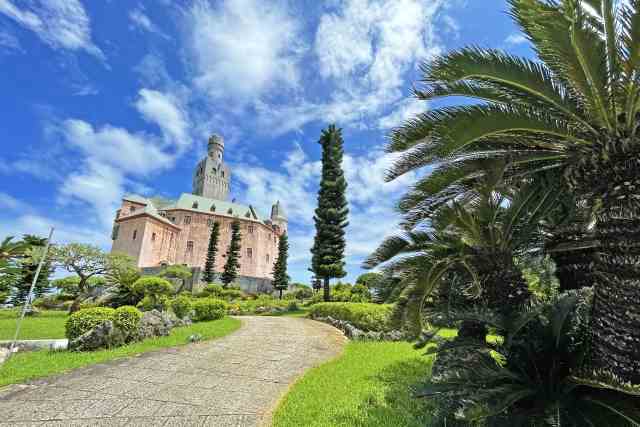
(249,253)
(135,234)
(190,246)
(247,215)
(230,211)
(195,205)
(213,208)
(210,222)
(187,220)
(267,258)
(153,237)
(251,229)
(215,171)
(132,209)
(114,233)
(223,174)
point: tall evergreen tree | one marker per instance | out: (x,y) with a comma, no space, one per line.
(28,267)
(331,215)
(233,255)
(280,276)
(210,264)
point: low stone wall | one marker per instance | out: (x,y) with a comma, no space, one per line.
(247,284)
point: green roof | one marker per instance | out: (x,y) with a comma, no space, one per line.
(219,207)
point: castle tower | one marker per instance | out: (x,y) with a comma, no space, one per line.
(278,217)
(212,175)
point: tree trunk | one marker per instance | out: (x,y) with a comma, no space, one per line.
(327,290)
(76,305)
(81,293)
(574,264)
(505,289)
(615,325)
(280,293)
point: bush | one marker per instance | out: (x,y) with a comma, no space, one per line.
(155,291)
(84,320)
(182,306)
(127,319)
(208,309)
(232,294)
(368,317)
(211,290)
(315,299)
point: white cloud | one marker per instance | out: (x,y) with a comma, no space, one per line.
(165,110)
(515,39)
(365,50)
(243,48)
(9,202)
(405,109)
(62,24)
(140,20)
(10,42)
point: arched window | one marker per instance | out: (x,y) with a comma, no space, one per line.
(195,205)
(230,211)
(215,171)
(135,234)
(213,208)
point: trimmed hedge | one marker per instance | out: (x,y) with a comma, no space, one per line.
(182,306)
(127,318)
(208,309)
(86,319)
(364,316)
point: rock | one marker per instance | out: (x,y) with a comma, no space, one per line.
(155,323)
(105,335)
(393,336)
(194,338)
(32,311)
(4,353)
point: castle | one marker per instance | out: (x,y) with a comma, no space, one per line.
(158,232)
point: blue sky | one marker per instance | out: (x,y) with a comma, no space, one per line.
(107,97)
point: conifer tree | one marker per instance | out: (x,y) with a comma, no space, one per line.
(233,255)
(280,276)
(210,264)
(331,215)
(28,267)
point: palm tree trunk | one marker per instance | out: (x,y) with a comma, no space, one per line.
(615,329)
(327,290)
(505,288)
(574,264)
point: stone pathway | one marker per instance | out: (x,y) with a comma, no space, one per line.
(232,381)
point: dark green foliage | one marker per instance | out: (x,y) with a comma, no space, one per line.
(331,214)
(127,319)
(280,276)
(208,309)
(179,272)
(84,320)
(212,290)
(155,290)
(232,264)
(121,273)
(535,377)
(28,266)
(210,264)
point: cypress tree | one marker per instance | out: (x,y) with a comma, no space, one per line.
(210,264)
(233,255)
(331,215)
(280,276)
(28,269)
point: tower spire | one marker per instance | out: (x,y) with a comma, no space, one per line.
(212,175)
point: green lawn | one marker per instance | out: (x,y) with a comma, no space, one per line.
(301,312)
(369,385)
(48,324)
(36,364)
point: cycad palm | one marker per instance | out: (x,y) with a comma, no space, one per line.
(575,112)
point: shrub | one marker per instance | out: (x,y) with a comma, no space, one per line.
(368,317)
(84,320)
(211,290)
(155,291)
(127,318)
(208,309)
(182,306)
(315,299)
(292,306)
(232,294)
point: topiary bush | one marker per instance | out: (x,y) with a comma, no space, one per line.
(232,294)
(155,290)
(211,290)
(127,318)
(182,305)
(208,309)
(84,320)
(364,316)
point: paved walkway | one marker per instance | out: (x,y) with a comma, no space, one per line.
(232,381)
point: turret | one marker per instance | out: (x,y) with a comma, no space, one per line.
(215,147)
(278,217)
(211,178)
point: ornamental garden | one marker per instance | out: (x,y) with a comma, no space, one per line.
(511,297)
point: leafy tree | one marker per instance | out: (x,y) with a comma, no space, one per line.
(86,261)
(28,266)
(232,265)
(156,291)
(331,214)
(177,271)
(280,276)
(369,279)
(209,275)
(121,273)
(574,112)
(69,288)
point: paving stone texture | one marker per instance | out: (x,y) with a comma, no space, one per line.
(236,380)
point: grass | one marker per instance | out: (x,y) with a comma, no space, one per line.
(47,324)
(29,365)
(301,312)
(369,385)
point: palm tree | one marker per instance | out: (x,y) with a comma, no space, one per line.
(575,112)
(478,240)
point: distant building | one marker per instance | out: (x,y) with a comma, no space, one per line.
(159,232)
